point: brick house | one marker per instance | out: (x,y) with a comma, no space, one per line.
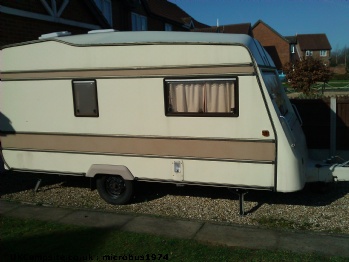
(314,45)
(244,28)
(27,20)
(285,49)
(167,16)
(276,45)
(294,51)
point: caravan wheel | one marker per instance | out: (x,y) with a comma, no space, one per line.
(114,189)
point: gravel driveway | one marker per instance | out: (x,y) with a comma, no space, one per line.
(305,210)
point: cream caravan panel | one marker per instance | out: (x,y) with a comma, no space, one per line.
(149,168)
(44,106)
(148,94)
(122,104)
(57,56)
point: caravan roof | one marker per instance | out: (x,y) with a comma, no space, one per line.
(152,38)
(149,37)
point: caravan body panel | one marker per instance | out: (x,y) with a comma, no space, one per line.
(108,99)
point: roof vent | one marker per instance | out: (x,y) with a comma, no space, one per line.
(101,31)
(54,34)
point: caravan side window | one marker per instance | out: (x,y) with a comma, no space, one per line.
(201,97)
(85,98)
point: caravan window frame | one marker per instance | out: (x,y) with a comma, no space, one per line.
(89,105)
(234,112)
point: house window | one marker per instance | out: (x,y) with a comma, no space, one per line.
(292,49)
(323,53)
(201,97)
(106,9)
(139,22)
(168,27)
(308,53)
(85,98)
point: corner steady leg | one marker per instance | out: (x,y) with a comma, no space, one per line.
(241,193)
(37,185)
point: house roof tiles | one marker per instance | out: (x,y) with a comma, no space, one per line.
(291,39)
(171,11)
(313,42)
(230,29)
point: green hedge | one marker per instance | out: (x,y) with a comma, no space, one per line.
(340,77)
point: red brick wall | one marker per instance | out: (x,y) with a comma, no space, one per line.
(14,29)
(27,5)
(156,24)
(277,47)
(121,16)
(316,55)
(77,10)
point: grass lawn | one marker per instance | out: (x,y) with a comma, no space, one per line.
(31,240)
(338,83)
(330,86)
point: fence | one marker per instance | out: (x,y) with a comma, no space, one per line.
(316,116)
(332,86)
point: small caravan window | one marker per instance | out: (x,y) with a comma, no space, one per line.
(85,98)
(201,97)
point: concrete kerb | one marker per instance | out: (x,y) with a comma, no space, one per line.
(208,232)
(6,206)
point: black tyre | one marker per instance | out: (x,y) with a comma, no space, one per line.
(114,189)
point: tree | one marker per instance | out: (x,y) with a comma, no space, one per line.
(303,74)
(340,57)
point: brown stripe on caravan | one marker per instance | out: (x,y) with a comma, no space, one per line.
(214,149)
(128,72)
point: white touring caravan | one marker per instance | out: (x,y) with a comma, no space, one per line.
(173,107)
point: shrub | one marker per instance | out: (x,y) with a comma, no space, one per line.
(340,77)
(303,74)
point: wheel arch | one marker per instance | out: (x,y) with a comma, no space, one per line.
(119,170)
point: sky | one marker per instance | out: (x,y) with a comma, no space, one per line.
(287,17)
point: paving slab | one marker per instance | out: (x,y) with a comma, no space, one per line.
(333,245)
(215,233)
(96,219)
(257,238)
(7,206)
(237,236)
(39,212)
(163,227)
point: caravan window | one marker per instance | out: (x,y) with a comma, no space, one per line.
(272,82)
(85,98)
(201,97)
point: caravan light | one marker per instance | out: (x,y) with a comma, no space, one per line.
(265,133)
